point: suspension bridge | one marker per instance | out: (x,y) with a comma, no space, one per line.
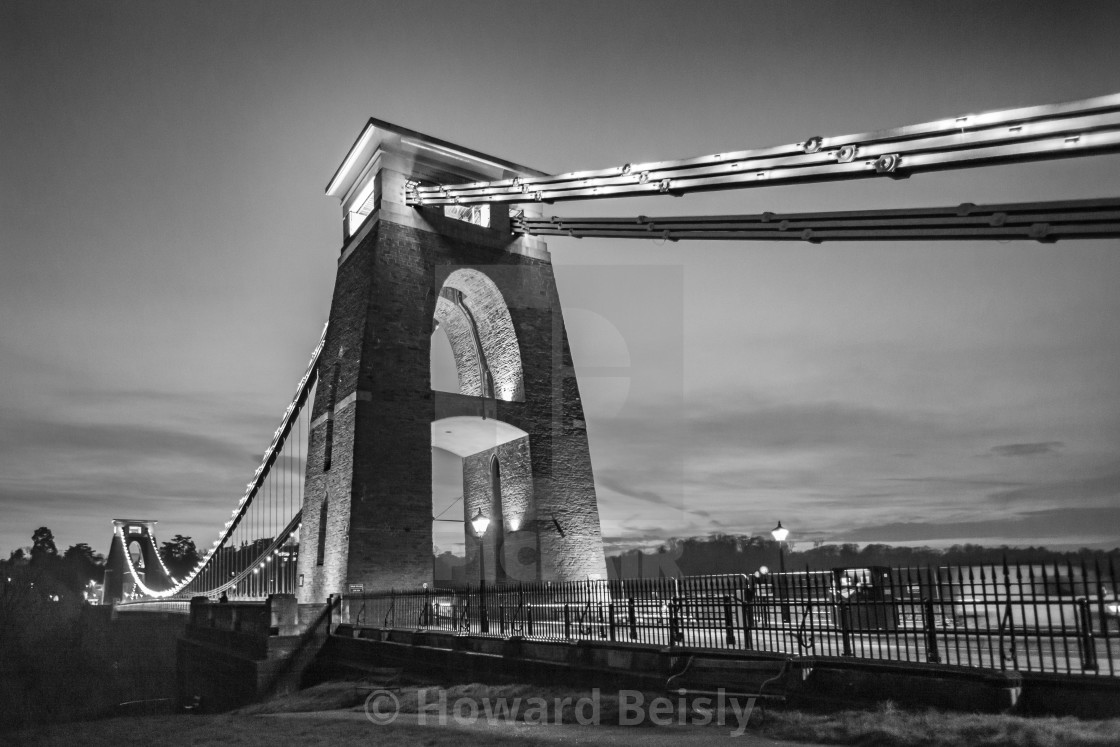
(437,236)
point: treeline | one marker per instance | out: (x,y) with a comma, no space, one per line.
(728,553)
(56,576)
(42,600)
(62,659)
(79,568)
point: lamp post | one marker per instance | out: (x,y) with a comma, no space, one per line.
(481,522)
(779,533)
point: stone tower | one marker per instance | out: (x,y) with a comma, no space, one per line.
(516,421)
(127,533)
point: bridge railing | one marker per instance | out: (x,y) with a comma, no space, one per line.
(1030,618)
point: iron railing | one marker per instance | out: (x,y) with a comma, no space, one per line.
(1031,618)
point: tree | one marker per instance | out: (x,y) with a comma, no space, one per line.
(42,545)
(82,565)
(179,555)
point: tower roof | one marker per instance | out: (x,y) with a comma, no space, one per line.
(377,134)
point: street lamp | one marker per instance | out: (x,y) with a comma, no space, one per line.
(481,522)
(779,533)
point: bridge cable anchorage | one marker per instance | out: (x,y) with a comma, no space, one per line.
(265,518)
(1036,221)
(1078,128)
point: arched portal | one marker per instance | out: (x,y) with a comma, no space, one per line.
(471,317)
(473,314)
(496,480)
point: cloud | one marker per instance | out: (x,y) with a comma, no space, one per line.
(752,445)
(1015,450)
(124,443)
(749,444)
(832,467)
(775,425)
(1081,491)
(606,480)
(94,455)
(1053,522)
(957,482)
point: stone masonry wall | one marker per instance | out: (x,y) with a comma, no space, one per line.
(509,518)
(378,487)
(458,332)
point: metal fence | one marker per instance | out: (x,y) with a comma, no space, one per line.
(1031,618)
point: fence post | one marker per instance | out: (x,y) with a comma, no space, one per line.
(1088,643)
(932,654)
(675,634)
(632,618)
(567,622)
(845,614)
(501,618)
(1007,620)
(746,609)
(728,620)
(610,622)
(519,613)
(783,595)
(483,618)
(1103,612)
(529,619)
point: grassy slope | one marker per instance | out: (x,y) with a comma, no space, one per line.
(884,726)
(235,730)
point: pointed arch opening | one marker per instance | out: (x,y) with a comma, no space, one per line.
(320,548)
(472,313)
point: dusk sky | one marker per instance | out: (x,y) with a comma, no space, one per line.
(168,257)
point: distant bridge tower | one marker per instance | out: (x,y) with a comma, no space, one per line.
(517,420)
(138,537)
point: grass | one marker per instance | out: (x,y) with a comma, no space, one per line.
(888,725)
(884,725)
(537,703)
(237,730)
(328,696)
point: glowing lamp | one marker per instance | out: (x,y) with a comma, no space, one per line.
(480,522)
(779,533)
